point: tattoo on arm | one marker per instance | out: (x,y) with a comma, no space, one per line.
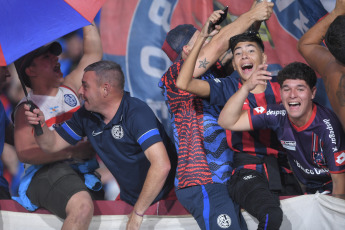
(203,63)
(341,91)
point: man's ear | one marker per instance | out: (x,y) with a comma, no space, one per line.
(313,91)
(106,89)
(185,50)
(29,71)
(264,58)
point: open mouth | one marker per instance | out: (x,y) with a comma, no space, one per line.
(294,104)
(247,67)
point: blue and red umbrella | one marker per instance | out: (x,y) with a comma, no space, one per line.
(28,24)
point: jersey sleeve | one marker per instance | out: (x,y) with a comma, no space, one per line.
(266,117)
(334,146)
(221,89)
(144,126)
(72,130)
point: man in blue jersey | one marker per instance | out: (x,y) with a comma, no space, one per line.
(124,132)
(204,159)
(310,133)
(258,154)
(6,134)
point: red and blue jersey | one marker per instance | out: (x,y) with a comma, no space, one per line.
(203,155)
(258,143)
(314,150)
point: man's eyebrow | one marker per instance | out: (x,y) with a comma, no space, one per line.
(247,45)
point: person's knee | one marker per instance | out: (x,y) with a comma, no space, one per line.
(80,205)
(270,218)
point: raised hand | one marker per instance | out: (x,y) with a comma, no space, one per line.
(263,10)
(259,77)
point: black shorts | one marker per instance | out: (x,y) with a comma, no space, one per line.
(54,184)
(4,194)
(249,188)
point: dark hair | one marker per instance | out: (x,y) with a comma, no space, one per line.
(335,38)
(249,36)
(297,70)
(107,71)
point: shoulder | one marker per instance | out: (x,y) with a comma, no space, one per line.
(173,71)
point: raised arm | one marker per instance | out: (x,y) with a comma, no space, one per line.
(185,80)
(219,44)
(232,117)
(318,56)
(155,179)
(92,52)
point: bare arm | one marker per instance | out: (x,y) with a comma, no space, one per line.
(338,185)
(322,61)
(220,42)
(310,46)
(28,150)
(93,52)
(155,179)
(232,117)
(204,57)
(185,80)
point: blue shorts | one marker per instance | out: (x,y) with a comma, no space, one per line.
(212,207)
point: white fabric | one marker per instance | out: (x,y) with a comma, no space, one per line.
(316,212)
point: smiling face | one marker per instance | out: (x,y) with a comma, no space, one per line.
(297,99)
(247,57)
(90,91)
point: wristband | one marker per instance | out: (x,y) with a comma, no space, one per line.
(141,215)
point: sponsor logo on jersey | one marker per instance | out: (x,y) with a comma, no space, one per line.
(276,112)
(290,145)
(339,158)
(117,131)
(259,110)
(70,100)
(331,134)
(224,221)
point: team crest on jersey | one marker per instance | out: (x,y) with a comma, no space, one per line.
(70,100)
(259,110)
(117,131)
(319,159)
(339,158)
(224,221)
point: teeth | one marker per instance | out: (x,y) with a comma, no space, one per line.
(294,103)
(246,65)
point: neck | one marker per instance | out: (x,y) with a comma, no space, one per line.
(259,89)
(45,91)
(110,108)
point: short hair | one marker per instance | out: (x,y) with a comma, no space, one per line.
(107,71)
(335,38)
(249,36)
(297,70)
